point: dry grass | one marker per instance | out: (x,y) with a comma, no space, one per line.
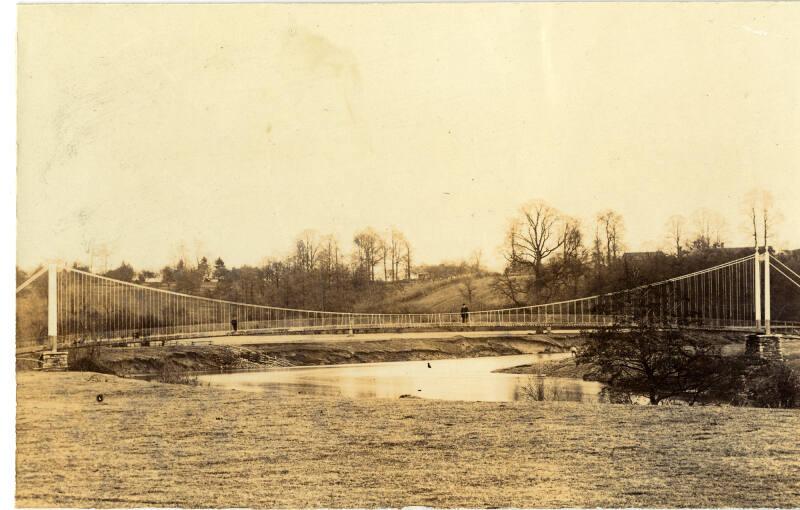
(151,444)
(437,296)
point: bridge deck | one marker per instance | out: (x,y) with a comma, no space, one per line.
(367,332)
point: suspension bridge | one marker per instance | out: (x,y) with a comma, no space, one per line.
(88,309)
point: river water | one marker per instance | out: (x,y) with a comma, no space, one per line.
(467,379)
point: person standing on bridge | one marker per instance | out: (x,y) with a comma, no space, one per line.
(234,324)
(464,313)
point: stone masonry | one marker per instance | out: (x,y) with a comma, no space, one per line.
(764,347)
(54,360)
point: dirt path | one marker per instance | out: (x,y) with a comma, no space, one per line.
(371,337)
(151,444)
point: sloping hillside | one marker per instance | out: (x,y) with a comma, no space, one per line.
(436,296)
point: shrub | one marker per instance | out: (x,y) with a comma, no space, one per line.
(644,359)
(610,395)
(772,384)
(537,391)
(170,374)
(87,359)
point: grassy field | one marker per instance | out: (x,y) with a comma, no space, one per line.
(151,444)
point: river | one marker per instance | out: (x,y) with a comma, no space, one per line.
(466,379)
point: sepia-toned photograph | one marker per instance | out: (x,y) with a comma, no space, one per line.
(381,255)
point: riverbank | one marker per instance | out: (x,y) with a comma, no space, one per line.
(152,444)
(732,345)
(557,368)
(215,358)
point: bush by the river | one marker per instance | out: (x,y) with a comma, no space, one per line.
(773,384)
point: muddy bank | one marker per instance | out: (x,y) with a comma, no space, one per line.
(558,368)
(152,360)
(214,358)
(403,349)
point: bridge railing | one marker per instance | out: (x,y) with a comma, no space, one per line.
(93,308)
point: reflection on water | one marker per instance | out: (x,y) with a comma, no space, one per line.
(468,379)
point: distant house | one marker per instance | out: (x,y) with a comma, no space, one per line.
(421,275)
(154,279)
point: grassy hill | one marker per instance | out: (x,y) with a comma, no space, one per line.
(445,295)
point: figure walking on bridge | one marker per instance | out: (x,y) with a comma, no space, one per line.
(234,324)
(464,313)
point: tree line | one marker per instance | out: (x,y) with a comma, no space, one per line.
(317,273)
(551,256)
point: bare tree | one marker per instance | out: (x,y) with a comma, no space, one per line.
(535,235)
(368,251)
(572,243)
(475,260)
(761,209)
(676,225)
(306,249)
(597,249)
(610,224)
(329,256)
(407,258)
(709,229)
(468,289)
(396,242)
(383,250)
(568,266)
(509,249)
(513,289)
(99,251)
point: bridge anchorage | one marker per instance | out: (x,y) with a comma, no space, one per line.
(89,309)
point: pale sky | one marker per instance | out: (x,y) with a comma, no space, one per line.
(229,129)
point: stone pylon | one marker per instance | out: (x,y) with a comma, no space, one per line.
(764,347)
